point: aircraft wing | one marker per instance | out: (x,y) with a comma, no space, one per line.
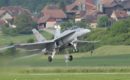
(37,45)
(81,41)
(64,35)
(8,47)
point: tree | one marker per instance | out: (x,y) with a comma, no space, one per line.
(82,24)
(62,5)
(24,24)
(103,21)
(4,3)
(67,24)
(8,30)
(33,5)
(122,26)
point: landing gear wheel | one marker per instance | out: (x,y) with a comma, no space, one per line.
(70,58)
(49,58)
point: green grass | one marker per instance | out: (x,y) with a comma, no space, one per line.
(106,63)
(65,76)
(112,50)
(119,60)
(103,56)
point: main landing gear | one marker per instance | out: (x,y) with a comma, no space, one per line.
(49,58)
(67,58)
(70,58)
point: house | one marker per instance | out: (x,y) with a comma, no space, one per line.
(8,14)
(92,19)
(4,15)
(51,16)
(126,6)
(79,9)
(110,5)
(11,12)
(79,16)
(87,10)
(118,15)
(15,10)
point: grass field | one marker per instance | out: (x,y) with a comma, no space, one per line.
(66,76)
(107,63)
(103,56)
(41,60)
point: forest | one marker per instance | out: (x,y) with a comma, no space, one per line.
(34,5)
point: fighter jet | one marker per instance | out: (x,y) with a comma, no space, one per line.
(68,38)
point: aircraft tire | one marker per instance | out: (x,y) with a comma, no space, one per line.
(70,57)
(49,58)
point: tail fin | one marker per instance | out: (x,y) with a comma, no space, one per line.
(38,36)
(57,31)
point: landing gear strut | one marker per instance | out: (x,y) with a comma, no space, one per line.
(50,57)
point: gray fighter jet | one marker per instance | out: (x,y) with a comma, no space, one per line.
(68,38)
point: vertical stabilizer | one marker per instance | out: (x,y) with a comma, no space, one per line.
(38,36)
(57,31)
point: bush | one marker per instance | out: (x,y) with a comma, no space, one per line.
(24,24)
(10,51)
(118,34)
(30,40)
(103,21)
(7,30)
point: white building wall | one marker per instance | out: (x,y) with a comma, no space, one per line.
(6,16)
(50,24)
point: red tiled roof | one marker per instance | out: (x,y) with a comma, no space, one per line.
(15,10)
(107,1)
(89,4)
(43,19)
(54,12)
(2,12)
